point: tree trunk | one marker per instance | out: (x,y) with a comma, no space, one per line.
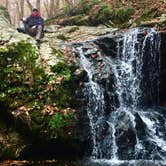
(6,3)
(52,8)
(22,8)
(29,5)
(38,4)
(46,5)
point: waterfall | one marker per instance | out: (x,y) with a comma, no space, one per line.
(122,95)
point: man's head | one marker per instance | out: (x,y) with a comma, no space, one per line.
(35,12)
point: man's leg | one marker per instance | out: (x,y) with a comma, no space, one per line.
(39,35)
(27,28)
(39,32)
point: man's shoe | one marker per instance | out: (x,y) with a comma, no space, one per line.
(21,30)
(38,44)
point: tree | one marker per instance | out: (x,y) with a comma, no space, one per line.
(20,8)
(6,3)
(46,6)
(29,5)
(52,8)
(38,4)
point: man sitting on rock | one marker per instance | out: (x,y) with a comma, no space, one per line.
(34,26)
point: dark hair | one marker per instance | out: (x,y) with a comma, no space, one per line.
(35,10)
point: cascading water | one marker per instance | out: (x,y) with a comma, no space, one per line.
(120,94)
(95,100)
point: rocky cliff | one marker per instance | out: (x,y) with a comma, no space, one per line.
(40,96)
(38,117)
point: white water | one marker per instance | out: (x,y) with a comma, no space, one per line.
(136,72)
(96,101)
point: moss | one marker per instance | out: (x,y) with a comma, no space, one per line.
(92,13)
(5,152)
(147,14)
(100,15)
(24,83)
(61,69)
(18,70)
(37,116)
(58,122)
(122,15)
(73,29)
(62,37)
(57,53)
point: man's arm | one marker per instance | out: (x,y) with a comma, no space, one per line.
(41,22)
(26,20)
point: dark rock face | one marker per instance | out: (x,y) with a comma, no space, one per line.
(163,69)
(125,136)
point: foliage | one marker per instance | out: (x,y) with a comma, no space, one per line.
(25,86)
(100,14)
(122,15)
(63,87)
(62,69)
(62,37)
(57,53)
(98,11)
(73,29)
(5,152)
(149,13)
(18,71)
(59,121)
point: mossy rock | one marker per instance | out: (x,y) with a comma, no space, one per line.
(62,37)
(73,29)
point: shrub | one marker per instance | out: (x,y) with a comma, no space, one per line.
(98,10)
(122,15)
(24,86)
(62,37)
(61,69)
(19,72)
(100,14)
(63,92)
(59,121)
(149,13)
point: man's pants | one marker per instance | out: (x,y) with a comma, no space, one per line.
(36,31)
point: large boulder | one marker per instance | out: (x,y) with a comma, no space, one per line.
(34,100)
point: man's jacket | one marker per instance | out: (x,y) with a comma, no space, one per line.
(31,21)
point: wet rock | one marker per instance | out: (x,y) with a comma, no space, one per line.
(140,126)
(163,69)
(125,135)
